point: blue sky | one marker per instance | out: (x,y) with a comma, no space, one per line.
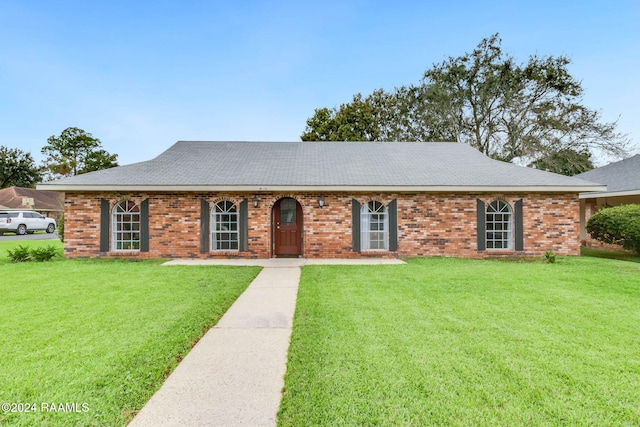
(140,75)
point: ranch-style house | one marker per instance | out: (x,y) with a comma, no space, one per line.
(320,200)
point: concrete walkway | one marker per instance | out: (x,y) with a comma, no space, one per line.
(234,375)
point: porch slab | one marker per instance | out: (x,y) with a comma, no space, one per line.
(286,262)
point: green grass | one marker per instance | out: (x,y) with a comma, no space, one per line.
(12,244)
(466,342)
(101,332)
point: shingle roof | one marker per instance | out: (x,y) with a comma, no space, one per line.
(30,198)
(437,166)
(620,177)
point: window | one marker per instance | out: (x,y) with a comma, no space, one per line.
(499,225)
(288,209)
(224,221)
(374,227)
(126,226)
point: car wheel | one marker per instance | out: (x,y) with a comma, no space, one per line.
(51,228)
(21,230)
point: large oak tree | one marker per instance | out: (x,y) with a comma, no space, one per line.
(531,113)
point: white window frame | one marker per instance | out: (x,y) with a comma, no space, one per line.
(225,227)
(499,226)
(125,226)
(374,227)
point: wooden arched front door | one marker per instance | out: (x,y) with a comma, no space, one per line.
(287,227)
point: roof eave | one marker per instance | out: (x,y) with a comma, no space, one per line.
(595,195)
(340,188)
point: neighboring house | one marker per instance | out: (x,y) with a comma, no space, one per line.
(49,203)
(623,187)
(320,200)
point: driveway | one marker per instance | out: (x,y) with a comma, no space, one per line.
(35,236)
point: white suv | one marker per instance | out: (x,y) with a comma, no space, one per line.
(22,222)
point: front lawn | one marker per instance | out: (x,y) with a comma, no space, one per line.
(466,342)
(100,336)
(32,244)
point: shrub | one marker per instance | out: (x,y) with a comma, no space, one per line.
(24,254)
(618,225)
(550,257)
(19,254)
(60,224)
(43,254)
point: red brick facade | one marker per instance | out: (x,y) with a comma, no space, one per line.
(428,224)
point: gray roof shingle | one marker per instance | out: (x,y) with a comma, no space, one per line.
(14,198)
(622,176)
(320,165)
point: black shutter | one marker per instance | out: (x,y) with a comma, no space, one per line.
(393,225)
(355,228)
(481,226)
(243,237)
(204,226)
(144,226)
(104,225)
(518,226)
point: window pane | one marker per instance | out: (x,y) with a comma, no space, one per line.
(126,226)
(373,223)
(288,212)
(498,225)
(224,226)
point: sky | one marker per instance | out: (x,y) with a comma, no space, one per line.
(141,75)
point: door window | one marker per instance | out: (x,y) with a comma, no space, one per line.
(288,212)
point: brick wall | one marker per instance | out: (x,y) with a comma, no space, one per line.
(434,224)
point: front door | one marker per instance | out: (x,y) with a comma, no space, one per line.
(287,224)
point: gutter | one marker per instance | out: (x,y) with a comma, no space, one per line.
(610,194)
(332,188)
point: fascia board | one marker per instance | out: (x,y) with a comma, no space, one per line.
(326,188)
(610,194)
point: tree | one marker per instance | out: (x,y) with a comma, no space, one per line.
(566,162)
(75,152)
(526,113)
(381,116)
(619,225)
(17,168)
(355,121)
(512,111)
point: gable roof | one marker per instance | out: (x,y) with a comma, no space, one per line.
(17,198)
(354,166)
(622,178)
